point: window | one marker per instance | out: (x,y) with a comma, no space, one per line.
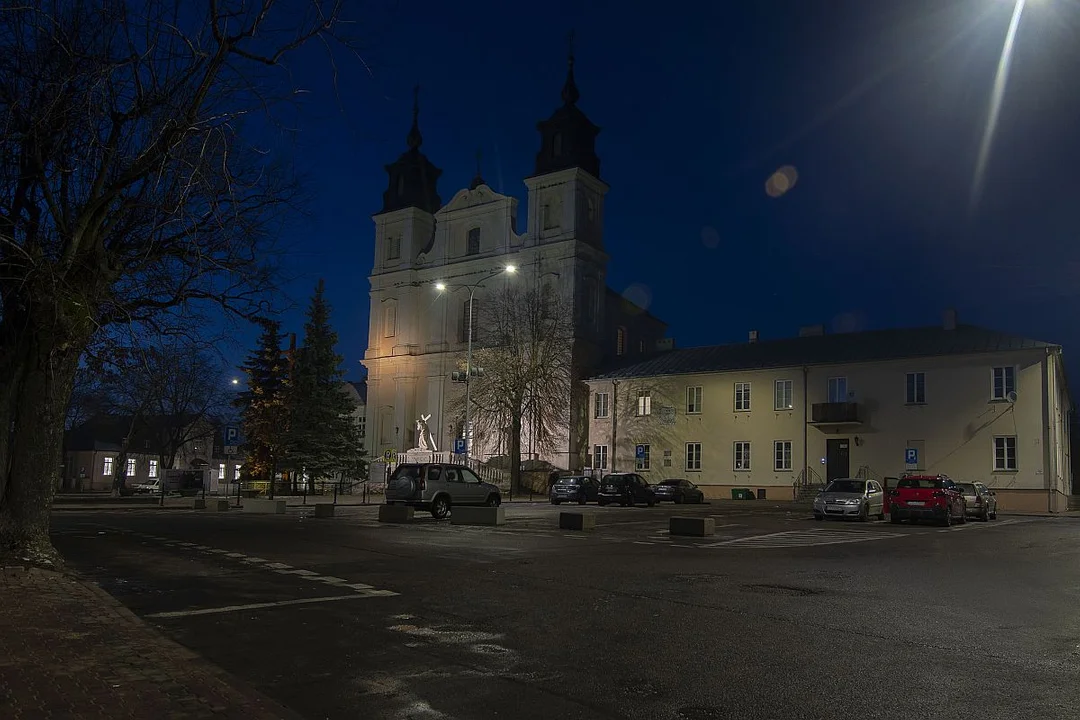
(600,457)
(1004,382)
(916,388)
(742,396)
(107,467)
(667,458)
(785,399)
(693,456)
(470,318)
(153,469)
(1005,453)
(838,390)
(390,319)
(642,462)
(782,455)
(693,400)
(221,471)
(473,247)
(393,247)
(361,426)
(129,471)
(742,455)
(644,402)
(236,472)
(600,405)
(620,341)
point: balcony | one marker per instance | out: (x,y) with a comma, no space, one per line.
(835,413)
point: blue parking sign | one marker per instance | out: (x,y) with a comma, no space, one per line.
(232,435)
(459,446)
(911,456)
(639,452)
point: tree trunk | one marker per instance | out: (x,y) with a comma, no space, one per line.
(515,452)
(40,396)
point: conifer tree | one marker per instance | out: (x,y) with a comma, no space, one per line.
(264,412)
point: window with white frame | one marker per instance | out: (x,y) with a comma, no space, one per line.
(1005,453)
(741,455)
(236,472)
(644,402)
(642,463)
(153,469)
(221,472)
(667,458)
(1004,382)
(785,398)
(693,400)
(129,471)
(600,457)
(693,456)
(600,405)
(782,455)
(916,388)
(838,389)
(742,396)
(107,467)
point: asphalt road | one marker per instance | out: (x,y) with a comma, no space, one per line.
(775,616)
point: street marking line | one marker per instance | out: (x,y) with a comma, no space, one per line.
(302,573)
(331,580)
(279,566)
(258,606)
(254,560)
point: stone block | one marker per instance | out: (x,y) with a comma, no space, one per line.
(692,526)
(323,510)
(483,515)
(577,521)
(219,505)
(200,504)
(396,513)
(265,507)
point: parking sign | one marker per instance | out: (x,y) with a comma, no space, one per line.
(639,452)
(911,456)
(459,446)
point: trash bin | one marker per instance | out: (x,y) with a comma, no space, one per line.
(761,494)
(742,494)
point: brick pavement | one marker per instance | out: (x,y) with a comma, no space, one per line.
(69,650)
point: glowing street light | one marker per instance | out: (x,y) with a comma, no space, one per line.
(235,381)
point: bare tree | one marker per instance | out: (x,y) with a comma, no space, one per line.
(131,189)
(526,361)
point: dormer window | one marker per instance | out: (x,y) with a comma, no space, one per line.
(473,246)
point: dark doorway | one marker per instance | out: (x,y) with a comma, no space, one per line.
(837,459)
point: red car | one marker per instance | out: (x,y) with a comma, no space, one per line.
(927,497)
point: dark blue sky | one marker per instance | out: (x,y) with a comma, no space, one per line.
(880,106)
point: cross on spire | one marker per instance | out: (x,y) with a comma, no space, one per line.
(570,93)
(479,179)
(415,139)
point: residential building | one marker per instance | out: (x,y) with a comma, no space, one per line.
(775,416)
(419,335)
(357,392)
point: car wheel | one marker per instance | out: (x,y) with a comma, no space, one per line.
(881,516)
(864,513)
(819,517)
(701,499)
(963,516)
(581,500)
(894,518)
(493,501)
(993,515)
(440,507)
(651,502)
(678,499)
(947,519)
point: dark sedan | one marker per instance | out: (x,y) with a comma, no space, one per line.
(577,489)
(678,491)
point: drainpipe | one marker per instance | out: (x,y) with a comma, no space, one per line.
(614,423)
(805,408)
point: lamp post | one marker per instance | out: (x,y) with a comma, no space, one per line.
(441,286)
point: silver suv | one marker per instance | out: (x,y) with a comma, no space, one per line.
(436,487)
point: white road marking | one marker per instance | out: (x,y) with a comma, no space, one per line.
(806,538)
(256,606)
(302,573)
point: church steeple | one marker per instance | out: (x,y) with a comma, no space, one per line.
(413,178)
(568,137)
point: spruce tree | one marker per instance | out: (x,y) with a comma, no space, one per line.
(323,435)
(264,412)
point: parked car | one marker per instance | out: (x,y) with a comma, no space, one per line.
(678,491)
(152,487)
(626,489)
(436,487)
(980,501)
(927,497)
(850,497)
(574,488)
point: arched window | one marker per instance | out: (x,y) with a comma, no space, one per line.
(473,247)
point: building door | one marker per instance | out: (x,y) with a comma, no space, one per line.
(837,459)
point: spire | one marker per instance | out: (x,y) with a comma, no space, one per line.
(570,93)
(415,139)
(479,179)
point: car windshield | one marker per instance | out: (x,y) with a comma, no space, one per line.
(569,481)
(924,483)
(614,479)
(846,486)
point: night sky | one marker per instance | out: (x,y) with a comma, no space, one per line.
(880,106)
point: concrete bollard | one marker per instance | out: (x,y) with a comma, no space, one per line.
(577,521)
(484,515)
(396,513)
(265,507)
(692,526)
(219,505)
(324,510)
(200,503)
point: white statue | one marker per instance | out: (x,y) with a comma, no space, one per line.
(424,439)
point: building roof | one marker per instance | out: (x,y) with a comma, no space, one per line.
(107,432)
(868,346)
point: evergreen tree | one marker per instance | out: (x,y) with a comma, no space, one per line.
(323,434)
(264,412)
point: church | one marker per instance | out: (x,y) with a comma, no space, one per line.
(434,262)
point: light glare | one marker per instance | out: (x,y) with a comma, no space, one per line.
(440,286)
(511,268)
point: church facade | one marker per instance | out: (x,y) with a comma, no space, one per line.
(434,263)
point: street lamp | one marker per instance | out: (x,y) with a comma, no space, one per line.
(441,286)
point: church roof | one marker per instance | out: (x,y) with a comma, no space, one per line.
(413,178)
(568,137)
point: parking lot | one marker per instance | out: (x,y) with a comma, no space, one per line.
(774,616)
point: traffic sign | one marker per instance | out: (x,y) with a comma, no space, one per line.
(232,435)
(911,456)
(390,455)
(230,449)
(459,446)
(639,452)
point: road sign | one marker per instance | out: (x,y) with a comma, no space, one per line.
(911,456)
(459,446)
(230,449)
(390,456)
(232,436)
(639,452)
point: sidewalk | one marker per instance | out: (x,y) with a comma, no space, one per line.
(69,650)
